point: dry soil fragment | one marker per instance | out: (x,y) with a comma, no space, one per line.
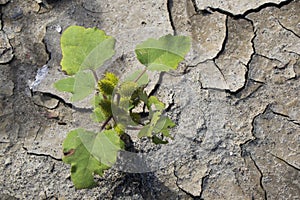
(211,76)
(248,177)
(45,101)
(6,88)
(207,31)
(237,53)
(190,175)
(266,70)
(289,17)
(272,39)
(224,186)
(276,153)
(6,51)
(278,135)
(233,6)
(228,71)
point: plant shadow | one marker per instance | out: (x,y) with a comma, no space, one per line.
(141,185)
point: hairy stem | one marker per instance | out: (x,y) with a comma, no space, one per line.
(95,75)
(111,117)
(105,123)
(142,73)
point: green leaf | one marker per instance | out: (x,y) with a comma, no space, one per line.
(147,130)
(157,140)
(85,48)
(163,125)
(83,164)
(65,85)
(141,79)
(81,85)
(104,146)
(163,54)
(97,115)
(158,124)
(90,153)
(144,132)
(154,103)
(126,89)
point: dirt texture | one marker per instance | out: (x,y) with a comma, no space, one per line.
(235,99)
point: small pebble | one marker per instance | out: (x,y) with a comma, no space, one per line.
(7,161)
(58,28)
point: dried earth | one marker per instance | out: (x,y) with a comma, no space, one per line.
(235,99)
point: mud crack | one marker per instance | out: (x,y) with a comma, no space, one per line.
(261,177)
(290,30)
(169,8)
(47,51)
(41,155)
(253,10)
(203,184)
(224,41)
(250,60)
(243,151)
(284,161)
(286,116)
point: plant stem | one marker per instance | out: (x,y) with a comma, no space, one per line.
(143,72)
(111,117)
(95,75)
(105,123)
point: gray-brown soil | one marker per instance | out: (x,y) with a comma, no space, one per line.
(235,99)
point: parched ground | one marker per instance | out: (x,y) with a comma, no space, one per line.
(235,99)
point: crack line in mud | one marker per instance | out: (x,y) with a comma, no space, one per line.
(195,6)
(41,155)
(266,57)
(281,159)
(249,95)
(256,81)
(221,73)
(203,183)
(252,10)
(292,52)
(266,5)
(285,116)
(169,8)
(47,50)
(244,152)
(198,11)
(261,177)
(224,41)
(290,30)
(69,105)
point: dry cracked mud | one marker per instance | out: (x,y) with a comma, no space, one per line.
(235,99)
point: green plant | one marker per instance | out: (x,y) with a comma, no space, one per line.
(85,50)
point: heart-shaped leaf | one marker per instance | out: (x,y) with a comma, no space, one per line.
(85,48)
(163,54)
(90,153)
(81,85)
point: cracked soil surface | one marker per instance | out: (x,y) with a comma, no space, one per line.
(235,99)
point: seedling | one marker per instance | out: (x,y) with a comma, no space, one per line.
(84,51)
